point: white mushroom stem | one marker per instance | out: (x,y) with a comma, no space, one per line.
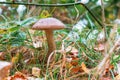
(50,40)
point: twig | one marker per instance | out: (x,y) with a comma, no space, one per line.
(81,74)
(51,75)
(103,12)
(101,66)
(57,5)
(104,24)
(106,60)
(48,61)
(45,5)
(63,61)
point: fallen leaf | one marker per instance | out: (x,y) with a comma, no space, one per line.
(68,59)
(2,55)
(25,71)
(33,78)
(100,47)
(117,77)
(105,78)
(18,76)
(72,50)
(85,68)
(75,70)
(15,58)
(68,65)
(74,61)
(4,69)
(111,67)
(36,71)
(69,48)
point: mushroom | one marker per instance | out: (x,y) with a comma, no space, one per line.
(49,25)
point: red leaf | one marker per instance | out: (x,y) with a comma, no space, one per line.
(18,76)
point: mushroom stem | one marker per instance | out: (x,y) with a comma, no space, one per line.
(50,40)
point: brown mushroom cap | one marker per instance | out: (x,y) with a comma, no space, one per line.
(48,23)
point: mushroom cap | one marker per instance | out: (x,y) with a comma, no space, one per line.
(48,24)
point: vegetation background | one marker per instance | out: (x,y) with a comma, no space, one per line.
(81,46)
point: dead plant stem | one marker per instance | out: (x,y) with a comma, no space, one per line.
(104,24)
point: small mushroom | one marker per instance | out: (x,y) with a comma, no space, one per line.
(49,25)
